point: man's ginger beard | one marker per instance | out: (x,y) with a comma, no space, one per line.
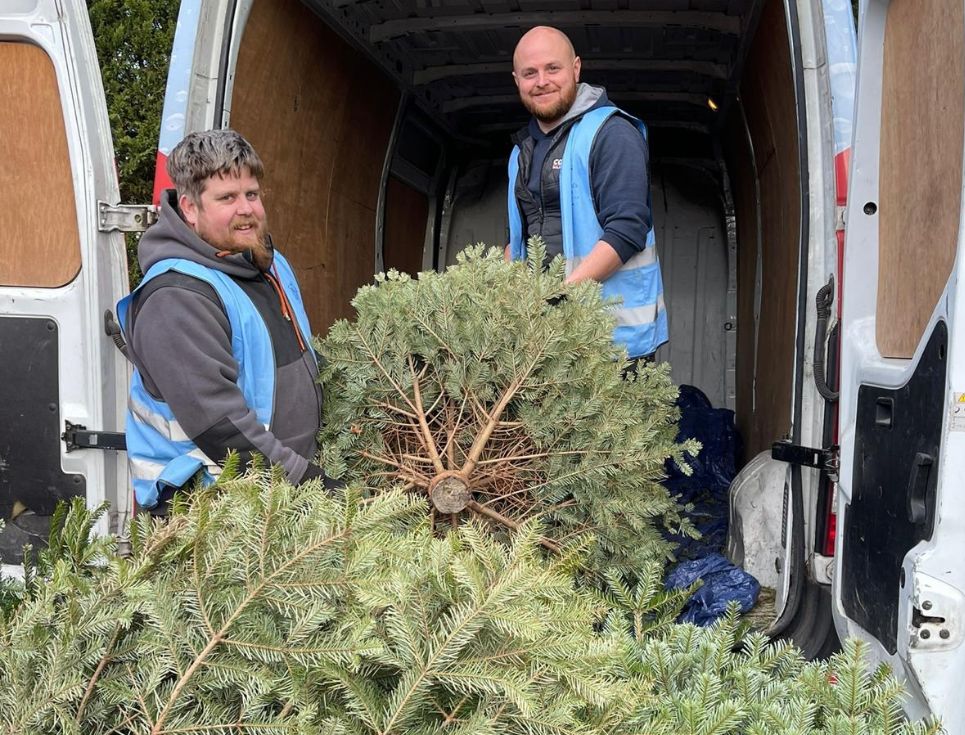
(261,252)
(557,111)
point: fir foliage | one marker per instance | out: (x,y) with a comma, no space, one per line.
(723,680)
(498,375)
(268,608)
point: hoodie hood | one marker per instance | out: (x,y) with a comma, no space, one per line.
(588,98)
(171,237)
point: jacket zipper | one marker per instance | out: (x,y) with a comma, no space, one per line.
(563,131)
(548,159)
(286,309)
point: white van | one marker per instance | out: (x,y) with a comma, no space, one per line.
(385,127)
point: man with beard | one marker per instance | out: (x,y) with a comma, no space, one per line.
(217,331)
(579,179)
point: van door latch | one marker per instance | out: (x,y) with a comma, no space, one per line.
(125,217)
(822,459)
(76,436)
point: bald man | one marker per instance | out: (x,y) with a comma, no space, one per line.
(579,178)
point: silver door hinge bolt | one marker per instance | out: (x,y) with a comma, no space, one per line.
(125,217)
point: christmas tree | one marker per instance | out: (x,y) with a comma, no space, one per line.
(496,392)
(267,608)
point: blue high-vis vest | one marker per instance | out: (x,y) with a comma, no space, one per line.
(159,452)
(641,316)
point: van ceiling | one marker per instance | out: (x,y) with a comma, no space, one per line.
(660,59)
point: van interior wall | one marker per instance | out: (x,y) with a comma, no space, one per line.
(688,223)
(477,213)
(765,176)
(406,219)
(320,115)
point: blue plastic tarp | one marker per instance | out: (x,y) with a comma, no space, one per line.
(706,490)
(715,466)
(723,583)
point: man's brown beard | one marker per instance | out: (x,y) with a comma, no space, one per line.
(566,100)
(262,253)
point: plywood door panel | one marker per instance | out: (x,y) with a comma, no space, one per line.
(39,237)
(920,174)
(406,218)
(767,93)
(320,116)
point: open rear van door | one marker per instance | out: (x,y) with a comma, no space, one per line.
(62,267)
(900,578)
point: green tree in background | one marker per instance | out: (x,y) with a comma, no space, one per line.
(133,39)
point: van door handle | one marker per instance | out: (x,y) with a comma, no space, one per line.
(918,487)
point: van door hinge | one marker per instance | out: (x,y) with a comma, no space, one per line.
(936,614)
(76,436)
(822,459)
(125,217)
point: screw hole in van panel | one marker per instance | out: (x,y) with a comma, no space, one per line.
(870,208)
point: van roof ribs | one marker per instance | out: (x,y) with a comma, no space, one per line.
(453,58)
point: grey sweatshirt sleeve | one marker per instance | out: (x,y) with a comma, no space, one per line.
(620,180)
(182,345)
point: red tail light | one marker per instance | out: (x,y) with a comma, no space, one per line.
(831,533)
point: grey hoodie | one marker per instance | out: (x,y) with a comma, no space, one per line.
(180,341)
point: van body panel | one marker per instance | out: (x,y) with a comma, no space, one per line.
(53,317)
(174,110)
(903,357)
(197,73)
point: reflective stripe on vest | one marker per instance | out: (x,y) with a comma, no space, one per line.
(641,316)
(159,451)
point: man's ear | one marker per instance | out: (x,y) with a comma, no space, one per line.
(189,209)
(576,68)
(516,80)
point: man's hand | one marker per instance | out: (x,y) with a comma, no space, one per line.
(506,254)
(314,472)
(599,265)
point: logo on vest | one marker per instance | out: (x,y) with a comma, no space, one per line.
(557,164)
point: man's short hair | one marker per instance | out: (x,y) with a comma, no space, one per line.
(201,155)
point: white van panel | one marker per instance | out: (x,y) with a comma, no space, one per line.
(92,375)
